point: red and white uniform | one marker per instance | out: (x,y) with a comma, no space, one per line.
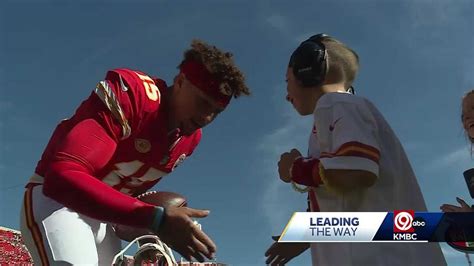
(349,133)
(117,145)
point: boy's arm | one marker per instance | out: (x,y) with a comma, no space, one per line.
(349,146)
(347,180)
(310,172)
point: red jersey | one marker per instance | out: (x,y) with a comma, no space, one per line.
(136,152)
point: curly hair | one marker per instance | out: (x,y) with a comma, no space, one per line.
(220,64)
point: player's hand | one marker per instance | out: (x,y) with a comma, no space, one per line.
(180,233)
(282,253)
(452,208)
(284,165)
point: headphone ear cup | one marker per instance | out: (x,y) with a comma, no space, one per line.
(309,63)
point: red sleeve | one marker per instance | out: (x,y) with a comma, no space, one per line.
(130,96)
(196,139)
(84,144)
(69,178)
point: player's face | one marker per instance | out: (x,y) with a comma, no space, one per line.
(194,108)
(468,114)
(297,95)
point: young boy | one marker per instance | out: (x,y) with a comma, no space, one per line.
(355,161)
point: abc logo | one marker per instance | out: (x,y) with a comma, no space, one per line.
(419,222)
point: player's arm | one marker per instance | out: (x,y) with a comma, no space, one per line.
(70,181)
(84,150)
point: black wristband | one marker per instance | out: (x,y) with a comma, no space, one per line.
(158,218)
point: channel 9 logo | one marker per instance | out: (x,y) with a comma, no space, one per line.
(403,221)
(404,224)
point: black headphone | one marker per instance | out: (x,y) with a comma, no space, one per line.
(310,62)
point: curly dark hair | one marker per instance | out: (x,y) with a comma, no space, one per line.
(220,64)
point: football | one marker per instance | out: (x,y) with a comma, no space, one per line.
(157,198)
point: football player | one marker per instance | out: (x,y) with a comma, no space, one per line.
(131,131)
(355,162)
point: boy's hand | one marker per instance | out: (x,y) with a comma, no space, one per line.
(284,165)
(282,253)
(452,208)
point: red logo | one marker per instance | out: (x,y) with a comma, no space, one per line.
(403,221)
(331,127)
(314,129)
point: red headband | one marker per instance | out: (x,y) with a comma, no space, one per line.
(200,77)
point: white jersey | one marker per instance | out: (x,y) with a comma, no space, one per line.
(350,133)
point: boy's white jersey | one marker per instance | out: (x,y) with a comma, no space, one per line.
(350,133)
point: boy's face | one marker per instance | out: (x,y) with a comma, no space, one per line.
(301,98)
(468,114)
